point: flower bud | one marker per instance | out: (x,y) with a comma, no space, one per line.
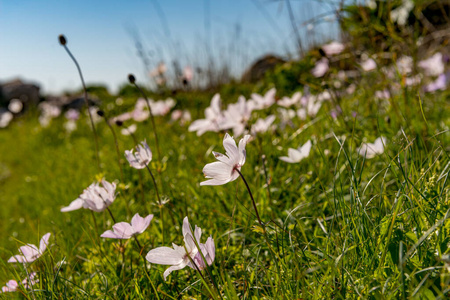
(62,40)
(131,78)
(100,113)
(119,123)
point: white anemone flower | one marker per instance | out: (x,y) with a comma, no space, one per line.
(296,155)
(15,106)
(129,130)
(321,68)
(5,118)
(261,102)
(333,48)
(289,101)
(179,257)
(30,252)
(124,230)
(433,66)
(225,169)
(213,118)
(262,125)
(95,197)
(141,158)
(12,285)
(370,150)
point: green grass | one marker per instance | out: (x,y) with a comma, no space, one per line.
(340,226)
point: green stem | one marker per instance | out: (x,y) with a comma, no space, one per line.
(87,105)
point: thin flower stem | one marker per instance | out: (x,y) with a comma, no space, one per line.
(87,105)
(110,213)
(117,148)
(253,202)
(139,245)
(29,280)
(141,184)
(200,272)
(159,201)
(273,253)
(152,119)
(156,186)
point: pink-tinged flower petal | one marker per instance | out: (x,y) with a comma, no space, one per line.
(174,268)
(140,224)
(320,68)
(29,250)
(219,172)
(109,234)
(10,286)
(224,170)
(370,150)
(123,230)
(211,249)
(164,256)
(17,258)
(141,158)
(44,242)
(333,48)
(74,205)
(242,151)
(223,158)
(230,147)
(180,257)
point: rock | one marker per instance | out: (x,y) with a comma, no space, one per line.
(258,69)
(68,102)
(28,93)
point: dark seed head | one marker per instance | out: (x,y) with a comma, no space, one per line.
(131,78)
(62,39)
(119,123)
(100,113)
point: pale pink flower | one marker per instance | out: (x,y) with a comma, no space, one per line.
(188,73)
(95,197)
(224,170)
(30,252)
(237,116)
(262,125)
(187,255)
(433,66)
(15,106)
(141,158)
(439,84)
(129,130)
(12,285)
(333,48)
(370,150)
(321,68)
(124,230)
(5,118)
(296,155)
(262,102)
(368,65)
(213,118)
(289,101)
(405,64)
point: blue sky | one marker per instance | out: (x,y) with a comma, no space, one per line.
(98,34)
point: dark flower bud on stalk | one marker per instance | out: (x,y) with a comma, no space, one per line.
(119,123)
(131,78)
(100,113)
(62,40)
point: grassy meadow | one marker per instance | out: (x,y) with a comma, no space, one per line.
(337,224)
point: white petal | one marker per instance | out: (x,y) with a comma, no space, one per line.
(164,256)
(74,205)
(44,242)
(174,268)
